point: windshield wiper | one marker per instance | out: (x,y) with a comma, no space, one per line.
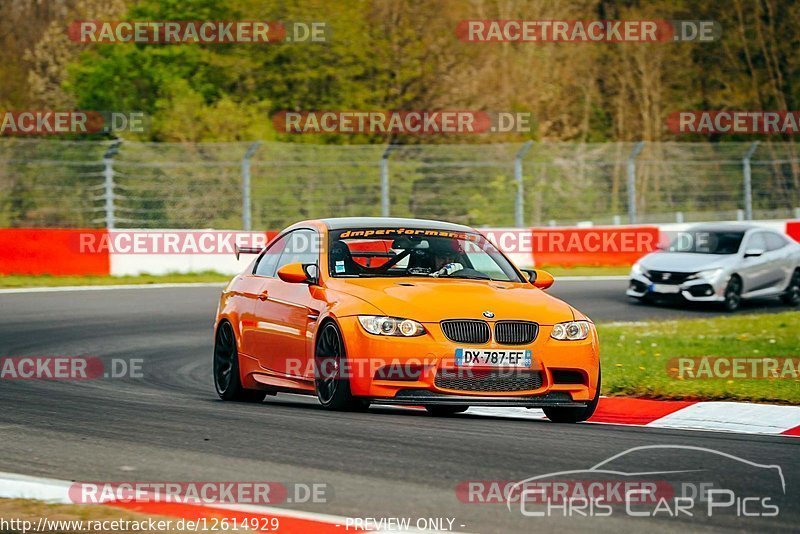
(469,276)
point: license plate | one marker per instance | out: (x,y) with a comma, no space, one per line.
(664,288)
(493,358)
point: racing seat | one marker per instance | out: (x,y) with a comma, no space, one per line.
(422,259)
(340,252)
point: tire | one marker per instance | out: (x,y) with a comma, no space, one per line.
(445,410)
(733,294)
(333,389)
(227,381)
(574,415)
(791,297)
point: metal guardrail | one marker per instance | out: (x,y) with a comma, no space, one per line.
(268,185)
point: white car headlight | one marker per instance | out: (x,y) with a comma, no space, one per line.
(571,331)
(708,274)
(390,326)
(638,269)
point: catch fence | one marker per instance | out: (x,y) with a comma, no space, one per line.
(267,185)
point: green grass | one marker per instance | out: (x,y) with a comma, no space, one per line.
(635,356)
(585,270)
(52,281)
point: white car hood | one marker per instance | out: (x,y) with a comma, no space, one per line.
(684,262)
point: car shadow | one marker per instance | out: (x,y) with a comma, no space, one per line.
(309,403)
(766,305)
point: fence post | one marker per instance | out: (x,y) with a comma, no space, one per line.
(519,204)
(108,183)
(385,200)
(748,182)
(632,181)
(247,215)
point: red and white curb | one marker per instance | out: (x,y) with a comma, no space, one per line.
(740,417)
(16,486)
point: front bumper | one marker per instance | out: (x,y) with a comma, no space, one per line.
(426,397)
(434,355)
(700,290)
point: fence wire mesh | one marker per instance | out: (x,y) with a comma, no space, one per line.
(46,183)
(51,183)
(292,182)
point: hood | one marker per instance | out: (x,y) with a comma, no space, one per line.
(430,301)
(684,262)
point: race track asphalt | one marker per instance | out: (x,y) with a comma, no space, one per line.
(605,300)
(169,425)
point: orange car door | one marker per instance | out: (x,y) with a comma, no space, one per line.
(253,333)
(285,311)
(248,289)
(292,311)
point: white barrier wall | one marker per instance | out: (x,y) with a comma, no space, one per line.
(163,251)
(134,264)
(126,263)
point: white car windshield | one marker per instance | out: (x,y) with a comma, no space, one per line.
(705,242)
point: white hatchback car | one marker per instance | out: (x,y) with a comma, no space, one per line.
(721,263)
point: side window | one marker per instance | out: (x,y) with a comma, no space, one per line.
(267,264)
(302,246)
(775,241)
(757,241)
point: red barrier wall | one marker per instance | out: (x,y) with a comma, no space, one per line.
(36,251)
(617,245)
(793,230)
(49,251)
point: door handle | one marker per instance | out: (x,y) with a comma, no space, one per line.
(264,295)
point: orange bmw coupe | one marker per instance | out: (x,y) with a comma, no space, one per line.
(361,311)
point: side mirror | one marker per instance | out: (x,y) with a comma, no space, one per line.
(298,273)
(539,278)
(753,252)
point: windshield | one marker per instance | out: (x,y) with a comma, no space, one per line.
(388,252)
(705,242)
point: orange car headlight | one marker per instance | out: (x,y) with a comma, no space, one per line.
(380,325)
(571,331)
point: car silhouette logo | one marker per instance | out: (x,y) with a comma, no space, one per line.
(488,314)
